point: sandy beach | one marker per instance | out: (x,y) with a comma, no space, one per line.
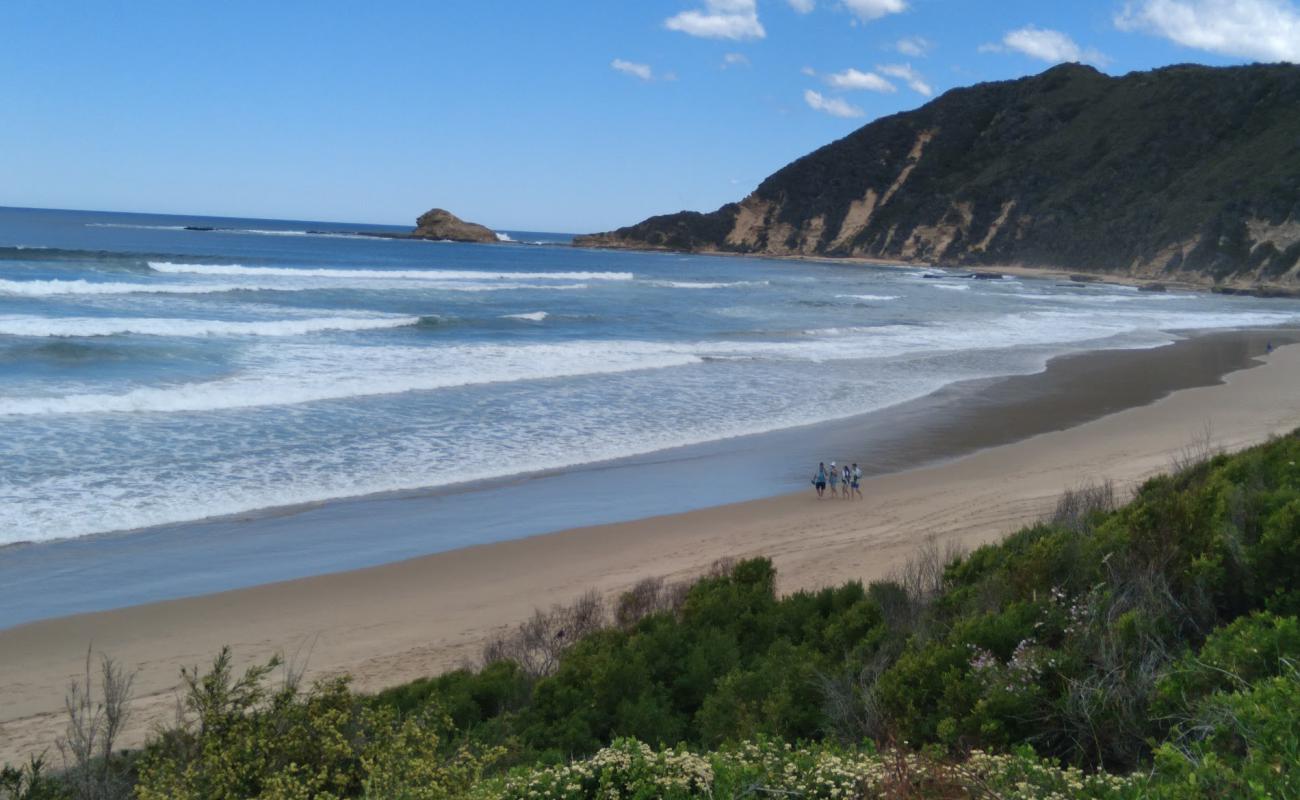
(388,624)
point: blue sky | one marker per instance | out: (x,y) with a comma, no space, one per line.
(569,115)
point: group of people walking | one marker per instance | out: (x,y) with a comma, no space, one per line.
(844,482)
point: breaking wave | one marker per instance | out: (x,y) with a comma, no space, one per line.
(228,270)
(44,288)
(704,284)
(153,326)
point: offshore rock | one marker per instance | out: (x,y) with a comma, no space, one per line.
(441,224)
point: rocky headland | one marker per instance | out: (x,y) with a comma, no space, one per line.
(1186,174)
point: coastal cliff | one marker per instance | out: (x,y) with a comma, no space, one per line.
(1185,173)
(441,224)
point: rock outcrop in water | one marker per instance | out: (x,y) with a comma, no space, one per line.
(1182,173)
(443,225)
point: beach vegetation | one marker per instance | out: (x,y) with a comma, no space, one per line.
(31,781)
(1144,649)
(94,770)
(242,735)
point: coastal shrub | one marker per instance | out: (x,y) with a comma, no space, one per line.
(1277,555)
(31,781)
(537,644)
(1234,657)
(768,768)
(1079,509)
(236,736)
(404,760)
(471,699)
(240,737)
(1239,744)
(735,661)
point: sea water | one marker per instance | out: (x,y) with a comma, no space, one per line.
(152,374)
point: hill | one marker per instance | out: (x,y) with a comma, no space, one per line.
(1185,173)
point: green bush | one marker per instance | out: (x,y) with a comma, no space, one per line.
(31,781)
(1245,651)
(766,768)
(1241,744)
(240,738)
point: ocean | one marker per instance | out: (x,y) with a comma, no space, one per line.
(154,374)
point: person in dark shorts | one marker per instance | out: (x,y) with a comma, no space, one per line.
(857,481)
(819,480)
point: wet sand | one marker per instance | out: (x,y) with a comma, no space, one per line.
(391,623)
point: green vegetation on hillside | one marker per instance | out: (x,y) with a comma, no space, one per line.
(1182,171)
(1151,650)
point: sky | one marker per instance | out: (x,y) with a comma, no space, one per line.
(571,115)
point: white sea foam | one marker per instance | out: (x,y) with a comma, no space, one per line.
(535,316)
(191,470)
(704,284)
(137,227)
(230,270)
(1091,298)
(52,288)
(503,237)
(952,287)
(291,374)
(48,288)
(263,231)
(154,326)
(880,297)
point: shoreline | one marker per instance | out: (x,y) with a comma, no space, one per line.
(46,580)
(1183,284)
(392,623)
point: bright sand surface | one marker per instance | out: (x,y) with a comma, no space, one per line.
(393,623)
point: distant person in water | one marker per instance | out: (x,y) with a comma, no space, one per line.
(1269,349)
(835,480)
(846,477)
(819,480)
(857,481)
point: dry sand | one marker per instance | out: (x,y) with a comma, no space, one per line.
(392,623)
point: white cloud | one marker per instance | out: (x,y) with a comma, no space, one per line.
(720,19)
(632,68)
(906,74)
(802,6)
(867,10)
(1267,30)
(914,46)
(830,105)
(735,60)
(855,79)
(809,71)
(1044,44)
